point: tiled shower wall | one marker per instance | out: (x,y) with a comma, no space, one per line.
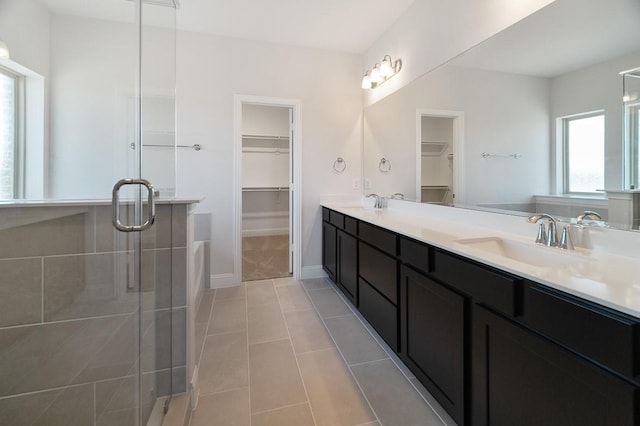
(70,332)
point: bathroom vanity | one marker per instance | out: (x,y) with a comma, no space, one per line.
(496,328)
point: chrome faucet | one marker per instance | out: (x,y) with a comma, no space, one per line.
(587,214)
(548,237)
(397,196)
(379,201)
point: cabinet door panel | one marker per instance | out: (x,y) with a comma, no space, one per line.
(348,264)
(498,289)
(380,238)
(381,314)
(380,270)
(329,258)
(433,339)
(609,337)
(520,378)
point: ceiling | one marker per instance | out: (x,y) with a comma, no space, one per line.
(341,25)
(564,36)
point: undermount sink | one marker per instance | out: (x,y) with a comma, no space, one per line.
(535,255)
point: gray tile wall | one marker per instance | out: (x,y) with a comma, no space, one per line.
(73,320)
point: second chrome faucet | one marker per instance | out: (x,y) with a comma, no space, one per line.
(549,236)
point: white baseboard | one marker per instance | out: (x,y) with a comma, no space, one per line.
(316,271)
(223,280)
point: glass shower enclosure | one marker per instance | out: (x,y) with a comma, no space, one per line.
(88,313)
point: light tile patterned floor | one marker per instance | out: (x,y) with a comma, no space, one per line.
(281,352)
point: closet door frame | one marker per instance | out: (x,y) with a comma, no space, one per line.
(295,177)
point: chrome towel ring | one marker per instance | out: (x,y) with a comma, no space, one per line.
(385,165)
(339,166)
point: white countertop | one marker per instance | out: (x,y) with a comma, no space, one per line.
(608,277)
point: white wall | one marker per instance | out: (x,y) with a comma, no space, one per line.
(94,82)
(576,93)
(24,26)
(431,32)
(211,70)
(265,120)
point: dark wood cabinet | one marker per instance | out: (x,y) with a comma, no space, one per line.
(378,292)
(340,251)
(432,324)
(347,267)
(520,378)
(329,250)
(491,347)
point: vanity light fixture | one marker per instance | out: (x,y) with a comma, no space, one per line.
(4,50)
(381,72)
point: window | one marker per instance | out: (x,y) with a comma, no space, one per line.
(583,139)
(10,102)
(632,124)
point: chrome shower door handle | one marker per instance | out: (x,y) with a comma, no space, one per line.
(115,201)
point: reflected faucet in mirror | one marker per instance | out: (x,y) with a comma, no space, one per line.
(587,214)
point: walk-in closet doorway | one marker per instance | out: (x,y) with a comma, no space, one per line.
(267,213)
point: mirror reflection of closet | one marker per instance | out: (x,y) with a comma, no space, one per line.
(265,192)
(436,183)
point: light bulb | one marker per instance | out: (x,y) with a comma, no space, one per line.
(366,81)
(375,74)
(386,69)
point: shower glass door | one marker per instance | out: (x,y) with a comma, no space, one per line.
(88,314)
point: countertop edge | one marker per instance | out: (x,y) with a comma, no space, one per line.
(513,267)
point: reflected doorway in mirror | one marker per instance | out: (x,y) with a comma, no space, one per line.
(439,140)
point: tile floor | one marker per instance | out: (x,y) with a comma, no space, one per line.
(265,257)
(287,353)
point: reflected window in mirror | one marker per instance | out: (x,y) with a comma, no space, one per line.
(583,143)
(631,99)
(633,132)
(11,142)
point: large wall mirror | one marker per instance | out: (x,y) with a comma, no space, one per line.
(532,119)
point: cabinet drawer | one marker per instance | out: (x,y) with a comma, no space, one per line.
(499,290)
(380,270)
(325,214)
(381,314)
(378,237)
(336,219)
(415,254)
(351,225)
(604,335)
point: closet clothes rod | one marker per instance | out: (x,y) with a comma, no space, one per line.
(266,150)
(275,138)
(195,147)
(265,189)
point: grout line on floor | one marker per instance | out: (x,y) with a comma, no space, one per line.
(283,407)
(295,356)
(369,362)
(222,391)
(371,331)
(344,360)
